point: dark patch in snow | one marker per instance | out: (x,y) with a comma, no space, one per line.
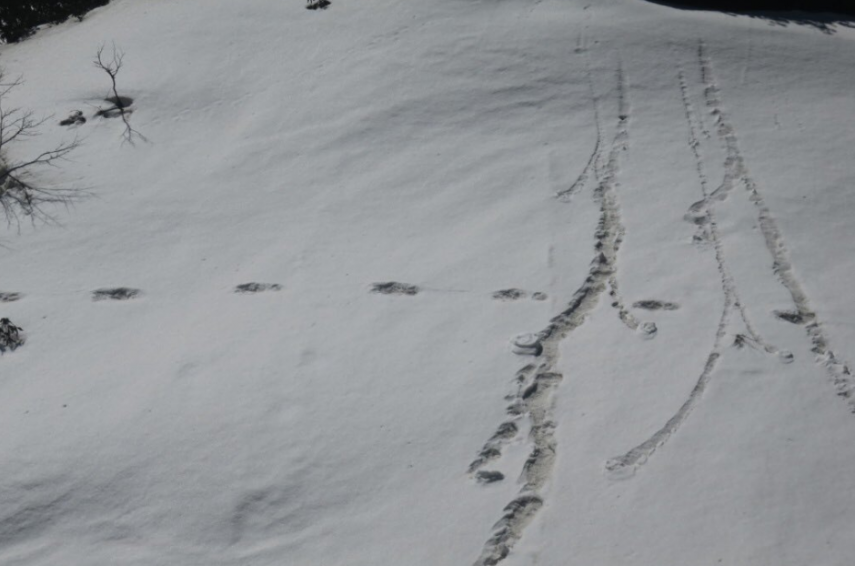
(253,287)
(823,15)
(486,477)
(651,305)
(510,294)
(394,288)
(10,335)
(120,101)
(120,106)
(74,119)
(318,4)
(790,316)
(10,297)
(115,294)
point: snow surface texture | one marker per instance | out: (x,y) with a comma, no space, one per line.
(523,282)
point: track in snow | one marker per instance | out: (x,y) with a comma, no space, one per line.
(537,382)
(734,322)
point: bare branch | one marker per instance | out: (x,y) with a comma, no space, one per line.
(112,66)
(21,194)
(6,87)
(44,158)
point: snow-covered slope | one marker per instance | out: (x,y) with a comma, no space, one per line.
(674,186)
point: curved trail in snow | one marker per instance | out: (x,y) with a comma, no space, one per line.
(703,214)
(538,381)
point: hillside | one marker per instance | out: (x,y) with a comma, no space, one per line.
(445,283)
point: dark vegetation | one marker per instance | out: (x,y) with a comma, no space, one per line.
(19,18)
(840,6)
(10,335)
(824,15)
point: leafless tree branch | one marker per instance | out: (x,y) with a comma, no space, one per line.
(21,194)
(112,66)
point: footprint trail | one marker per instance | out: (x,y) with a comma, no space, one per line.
(537,382)
(734,322)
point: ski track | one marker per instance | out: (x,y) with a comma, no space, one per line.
(702,213)
(537,382)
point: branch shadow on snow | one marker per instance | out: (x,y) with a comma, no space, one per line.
(823,15)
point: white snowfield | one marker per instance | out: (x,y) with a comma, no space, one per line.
(530,282)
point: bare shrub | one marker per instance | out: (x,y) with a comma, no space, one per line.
(121,104)
(21,193)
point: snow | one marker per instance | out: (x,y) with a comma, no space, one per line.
(313,420)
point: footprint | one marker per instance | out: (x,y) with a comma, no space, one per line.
(74,119)
(517,294)
(527,345)
(506,431)
(394,288)
(317,4)
(115,294)
(487,454)
(509,295)
(789,316)
(253,287)
(648,330)
(786,356)
(652,305)
(10,297)
(486,477)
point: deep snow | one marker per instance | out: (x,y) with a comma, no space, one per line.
(600,153)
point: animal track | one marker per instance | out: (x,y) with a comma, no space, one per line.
(115,294)
(394,288)
(257,287)
(10,297)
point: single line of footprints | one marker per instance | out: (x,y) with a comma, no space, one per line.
(12,336)
(408,289)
